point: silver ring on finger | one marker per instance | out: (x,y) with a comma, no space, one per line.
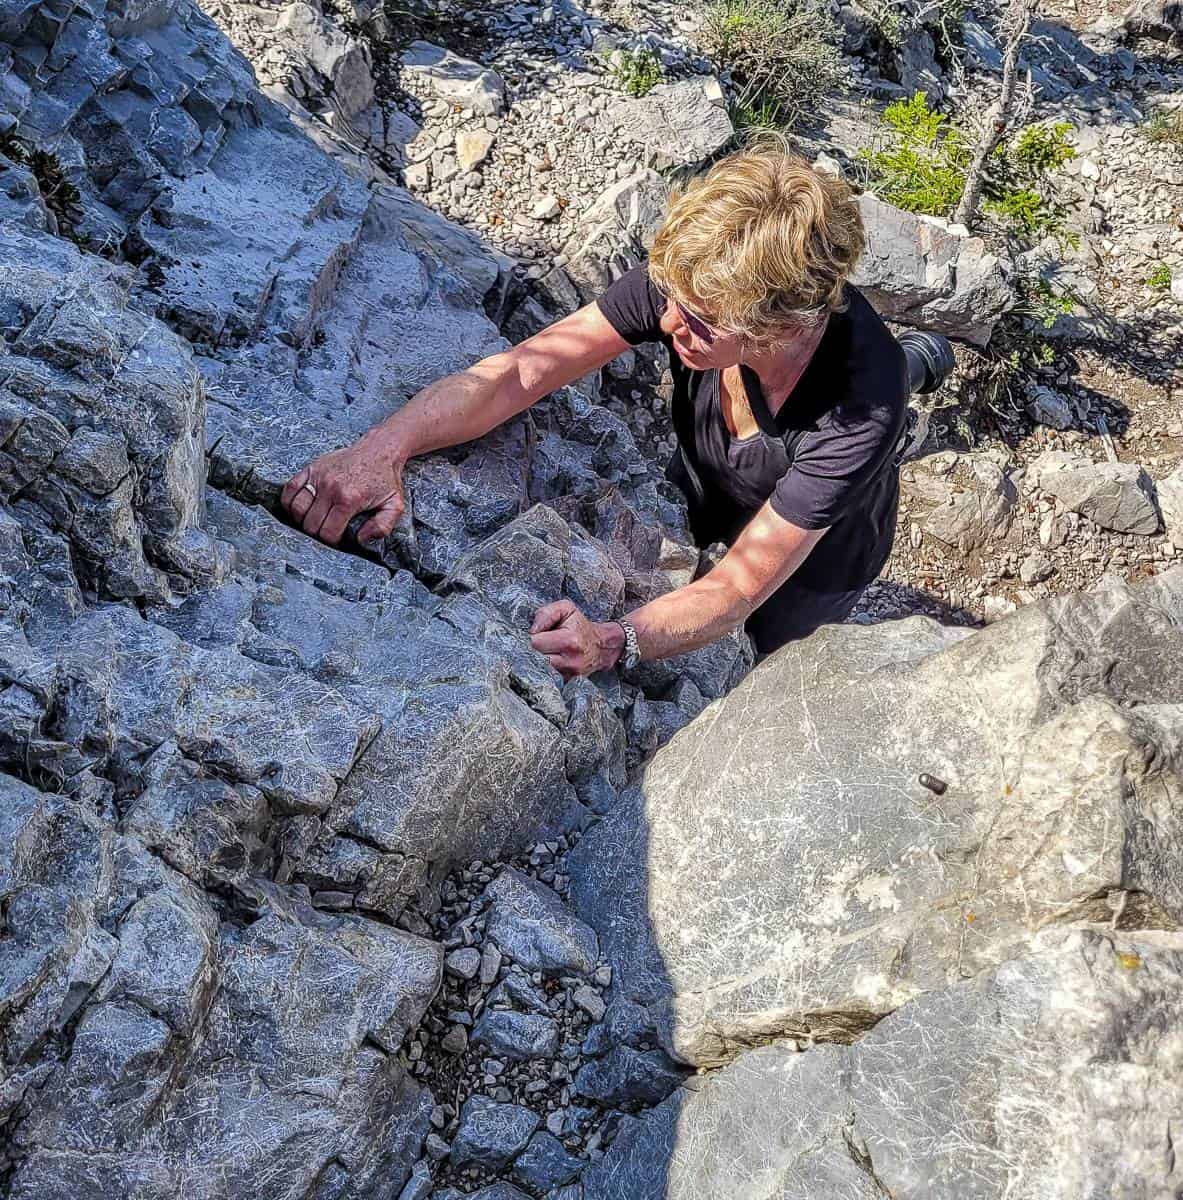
(308,487)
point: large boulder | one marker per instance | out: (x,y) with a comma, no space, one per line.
(457,80)
(788,866)
(1048,1077)
(615,232)
(916,271)
(1118,496)
(102,416)
(678,123)
(146,1000)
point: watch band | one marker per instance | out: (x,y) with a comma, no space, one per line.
(631,654)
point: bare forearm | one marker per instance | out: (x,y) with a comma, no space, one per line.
(764,556)
(458,408)
(689,617)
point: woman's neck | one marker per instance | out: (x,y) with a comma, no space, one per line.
(779,368)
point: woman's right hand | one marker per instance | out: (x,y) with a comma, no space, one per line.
(331,490)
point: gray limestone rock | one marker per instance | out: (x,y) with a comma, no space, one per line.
(615,232)
(976,513)
(917,272)
(457,80)
(491,1134)
(418,1187)
(1049,407)
(676,122)
(470,262)
(20,198)
(1154,18)
(516,1036)
(856,888)
(538,558)
(101,930)
(916,62)
(1117,496)
(624,1023)
(514,989)
(535,928)
(1170,501)
(364,634)
(101,414)
(628,1076)
(455,1041)
(329,61)
(1045,1078)
(463,964)
(545,1164)
(589,1000)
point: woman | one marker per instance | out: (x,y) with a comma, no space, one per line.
(789,405)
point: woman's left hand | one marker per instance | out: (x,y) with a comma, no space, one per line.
(573,645)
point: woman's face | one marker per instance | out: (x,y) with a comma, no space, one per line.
(701,345)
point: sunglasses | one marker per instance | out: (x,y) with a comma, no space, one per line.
(696,325)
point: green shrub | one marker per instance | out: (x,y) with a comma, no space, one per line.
(921,162)
(636,71)
(1020,191)
(1036,150)
(784,55)
(1159,278)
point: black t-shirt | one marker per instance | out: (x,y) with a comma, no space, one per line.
(826,458)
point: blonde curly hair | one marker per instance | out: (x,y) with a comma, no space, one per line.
(760,245)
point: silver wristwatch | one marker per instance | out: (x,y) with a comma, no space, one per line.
(631,654)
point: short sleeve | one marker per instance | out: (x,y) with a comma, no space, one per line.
(633,307)
(833,465)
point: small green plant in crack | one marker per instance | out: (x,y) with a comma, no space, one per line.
(1160,278)
(1042,302)
(1165,126)
(60,196)
(1019,346)
(637,72)
(756,114)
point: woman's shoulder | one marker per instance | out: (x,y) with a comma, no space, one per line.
(633,306)
(866,325)
(862,379)
(876,369)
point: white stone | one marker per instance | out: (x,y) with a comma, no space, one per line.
(473,147)
(546,209)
